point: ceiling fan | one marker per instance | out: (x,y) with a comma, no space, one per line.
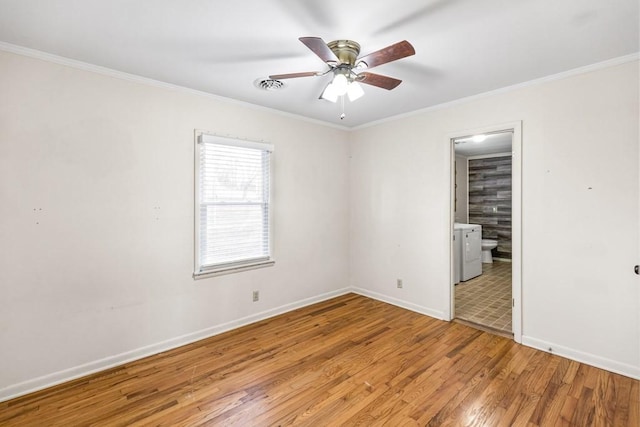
(348,69)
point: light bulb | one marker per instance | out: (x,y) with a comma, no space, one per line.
(479,138)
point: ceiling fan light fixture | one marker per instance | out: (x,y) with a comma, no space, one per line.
(347,67)
(354,91)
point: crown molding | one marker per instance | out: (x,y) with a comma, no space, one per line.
(85,66)
(37,54)
(554,77)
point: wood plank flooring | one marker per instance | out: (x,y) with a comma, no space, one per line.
(347,361)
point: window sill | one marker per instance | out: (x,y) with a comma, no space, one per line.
(232,269)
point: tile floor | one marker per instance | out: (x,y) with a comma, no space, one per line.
(486,299)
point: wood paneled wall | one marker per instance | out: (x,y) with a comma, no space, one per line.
(490,200)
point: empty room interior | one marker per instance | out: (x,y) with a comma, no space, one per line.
(319,213)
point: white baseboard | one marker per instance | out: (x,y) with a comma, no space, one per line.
(587,358)
(399,303)
(40,383)
(46,381)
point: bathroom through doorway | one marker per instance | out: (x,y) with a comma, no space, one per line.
(485,288)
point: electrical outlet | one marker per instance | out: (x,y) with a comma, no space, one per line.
(256,296)
(399,283)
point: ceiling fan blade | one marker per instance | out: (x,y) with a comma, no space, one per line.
(320,48)
(390,53)
(293,75)
(378,80)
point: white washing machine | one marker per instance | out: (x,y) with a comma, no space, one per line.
(470,250)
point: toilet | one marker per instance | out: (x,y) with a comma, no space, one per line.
(487,246)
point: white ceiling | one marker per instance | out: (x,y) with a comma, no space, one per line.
(463,47)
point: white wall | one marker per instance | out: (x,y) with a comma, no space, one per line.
(96,220)
(461,213)
(580,210)
(96,216)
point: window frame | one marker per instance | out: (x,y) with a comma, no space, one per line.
(209,270)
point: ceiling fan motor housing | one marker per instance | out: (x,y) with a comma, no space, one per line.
(346,51)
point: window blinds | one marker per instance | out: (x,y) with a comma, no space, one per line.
(233,202)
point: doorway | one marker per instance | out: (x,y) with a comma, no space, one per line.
(485,228)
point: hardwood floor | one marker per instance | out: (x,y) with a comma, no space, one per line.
(347,361)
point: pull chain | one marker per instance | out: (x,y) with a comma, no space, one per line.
(343,115)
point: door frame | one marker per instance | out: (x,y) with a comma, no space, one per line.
(516,219)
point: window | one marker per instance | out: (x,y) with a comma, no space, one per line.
(233,227)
